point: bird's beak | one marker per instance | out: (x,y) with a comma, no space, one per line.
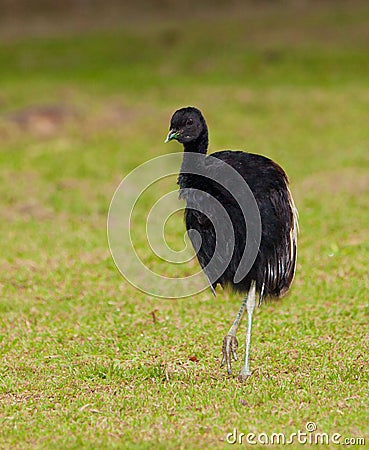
(173,134)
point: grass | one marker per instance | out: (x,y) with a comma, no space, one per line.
(84,365)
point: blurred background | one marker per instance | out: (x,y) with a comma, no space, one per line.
(87,89)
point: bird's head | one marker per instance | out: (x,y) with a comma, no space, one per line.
(187,125)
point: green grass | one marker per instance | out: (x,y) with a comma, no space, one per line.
(83,363)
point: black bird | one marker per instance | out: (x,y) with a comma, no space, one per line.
(272,268)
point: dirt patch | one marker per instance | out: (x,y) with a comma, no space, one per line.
(47,121)
(42,120)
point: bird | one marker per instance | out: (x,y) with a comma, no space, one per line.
(272,268)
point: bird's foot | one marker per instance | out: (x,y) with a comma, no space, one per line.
(244,375)
(229,349)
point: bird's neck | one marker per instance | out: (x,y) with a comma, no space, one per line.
(193,161)
(199,145)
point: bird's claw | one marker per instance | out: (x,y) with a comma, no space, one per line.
(229,348)
(244,375)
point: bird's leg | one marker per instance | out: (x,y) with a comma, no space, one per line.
(250,306)
(230,343)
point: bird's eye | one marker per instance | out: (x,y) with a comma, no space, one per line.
(189,122)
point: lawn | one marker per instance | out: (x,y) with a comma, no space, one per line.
(90,362)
